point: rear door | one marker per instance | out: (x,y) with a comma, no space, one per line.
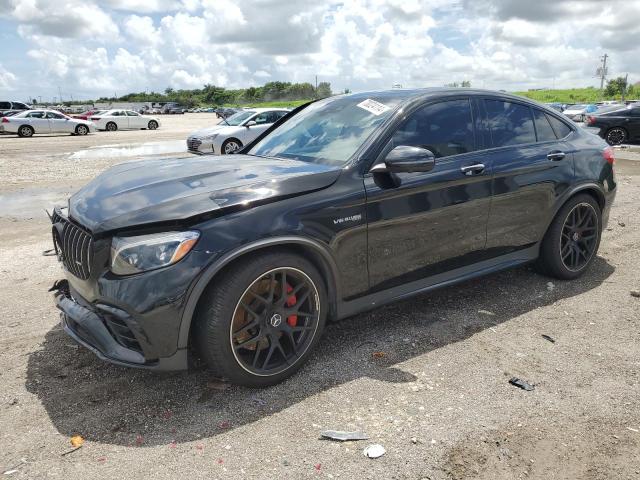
(38,121)
(532,166)
(121,119)
(427,223)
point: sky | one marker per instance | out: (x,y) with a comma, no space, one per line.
(84,49)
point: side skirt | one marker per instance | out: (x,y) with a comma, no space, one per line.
(369,302)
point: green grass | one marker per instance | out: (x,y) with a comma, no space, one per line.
(572,95)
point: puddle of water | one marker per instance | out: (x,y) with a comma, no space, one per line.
(131,150)
(31,203)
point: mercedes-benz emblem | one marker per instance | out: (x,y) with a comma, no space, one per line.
(276,320)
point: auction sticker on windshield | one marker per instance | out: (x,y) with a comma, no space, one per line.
(372,106)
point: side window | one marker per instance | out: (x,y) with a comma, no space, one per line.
(5,105)
(510,123)
(54,115)
(35,115)
(561,128)
(117,114)
(262,118)
(543,127)
(635,112)
(445,128)
(132,114)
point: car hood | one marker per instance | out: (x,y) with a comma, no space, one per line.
(176,189)
(219,129)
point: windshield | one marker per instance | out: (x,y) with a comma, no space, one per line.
(237,118)
(328,131)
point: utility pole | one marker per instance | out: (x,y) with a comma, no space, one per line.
(59,93)
(624,88)
(603,70)
(316,86)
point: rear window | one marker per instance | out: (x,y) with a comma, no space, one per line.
(5,105)
(543,127)
(510,123)
(561,128)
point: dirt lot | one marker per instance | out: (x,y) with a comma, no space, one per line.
(438,397)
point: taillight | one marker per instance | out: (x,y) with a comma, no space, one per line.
(607,153)
(5,120)
(591,120)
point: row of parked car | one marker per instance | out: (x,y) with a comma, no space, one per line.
(26,123)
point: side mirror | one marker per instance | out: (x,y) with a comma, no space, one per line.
(250,123)
(404,158)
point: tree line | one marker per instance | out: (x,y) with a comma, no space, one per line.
(214,95)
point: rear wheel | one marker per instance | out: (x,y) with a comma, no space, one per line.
(26,131)
(231,145)
(112,127)
(258,323)
(616,136)
(572,241)
(82,130)
(153,125)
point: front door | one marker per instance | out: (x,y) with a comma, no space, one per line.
(58,123)
(422,224)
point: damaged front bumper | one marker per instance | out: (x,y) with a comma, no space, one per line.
(110,333)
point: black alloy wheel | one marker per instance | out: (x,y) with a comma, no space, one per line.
(616,136)
(579,238)
(275,321)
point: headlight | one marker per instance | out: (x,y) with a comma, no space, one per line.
(148,252)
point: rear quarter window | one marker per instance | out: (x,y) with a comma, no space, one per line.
(5,105)
(543,128)
(561,128)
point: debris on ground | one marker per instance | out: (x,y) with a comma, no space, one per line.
(521,384)
(550,286)
(10,472)
(635,430)
(374,451)
(622,224)
(342,436)
(13,402)
(635,293)
(77,441)
(486,312)
(548,338)
(224,425)
(378,354)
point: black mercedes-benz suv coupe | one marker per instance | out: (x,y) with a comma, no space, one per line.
(345,204)
(616,125)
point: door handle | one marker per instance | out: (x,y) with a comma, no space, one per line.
(555,156)
(472,169)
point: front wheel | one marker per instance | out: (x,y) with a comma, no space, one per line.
(258,323)
(230,146)
(82,130)
(571,243)
(153,125)
(616,136)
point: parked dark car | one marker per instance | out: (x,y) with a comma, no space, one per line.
(226,112)
(618,125)
(15,107)
(344,205)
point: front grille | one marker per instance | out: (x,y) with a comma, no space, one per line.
(74,246)
(193,144)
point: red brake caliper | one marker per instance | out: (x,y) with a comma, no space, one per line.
(292,320)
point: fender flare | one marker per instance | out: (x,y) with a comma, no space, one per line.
(205,277)
(570,192)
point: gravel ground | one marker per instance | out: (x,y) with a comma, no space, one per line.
(435,394)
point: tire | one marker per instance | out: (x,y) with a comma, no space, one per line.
(219,331)
(616,136)
(111,127)
(82,130)
(566,253)
(25,131)
(152,125)
(228,146)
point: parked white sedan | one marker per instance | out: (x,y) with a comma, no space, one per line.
(113,120)
(234,132)
(29,122)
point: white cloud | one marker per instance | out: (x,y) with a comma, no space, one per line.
(7,79)
(97,47)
